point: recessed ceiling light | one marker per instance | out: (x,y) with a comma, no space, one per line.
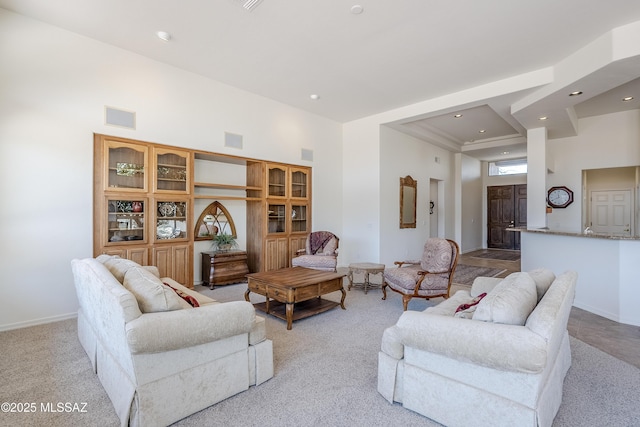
(457,116)
(576,93)
(314,96)
(543,118)
(163,35)
(627,98)
(482,131)
(356,9)
(505,152)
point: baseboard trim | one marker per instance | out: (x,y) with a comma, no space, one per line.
(36,322)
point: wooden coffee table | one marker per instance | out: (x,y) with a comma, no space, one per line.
(297,286)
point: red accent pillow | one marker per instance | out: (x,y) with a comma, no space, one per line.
(473,302)
(185,296)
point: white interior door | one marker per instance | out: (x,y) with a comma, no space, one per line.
(611,212)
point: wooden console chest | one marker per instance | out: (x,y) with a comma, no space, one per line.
(224,267)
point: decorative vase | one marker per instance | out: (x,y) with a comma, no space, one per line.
(136,206)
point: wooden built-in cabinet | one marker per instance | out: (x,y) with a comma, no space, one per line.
(280,223)
(147,198)
(142,205)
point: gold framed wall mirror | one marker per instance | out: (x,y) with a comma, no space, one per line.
(408,193)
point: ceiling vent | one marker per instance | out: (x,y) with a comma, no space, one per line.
(249,4)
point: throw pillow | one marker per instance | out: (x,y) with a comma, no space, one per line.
(119,267)
(510,302)
(185,296)
(152,295)
(465,311)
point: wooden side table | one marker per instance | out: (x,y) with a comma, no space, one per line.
(366,268)
(224,267)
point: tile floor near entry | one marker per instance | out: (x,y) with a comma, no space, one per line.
(617,339)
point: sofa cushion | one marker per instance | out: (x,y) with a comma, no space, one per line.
(202,299)
(466,310)
(185,296)
(483,285)
(152,269)
(510,302)
(448,306)
(102,258)
(152,295)
(543,278)
(119,267)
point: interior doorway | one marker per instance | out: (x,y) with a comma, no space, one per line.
(506,208)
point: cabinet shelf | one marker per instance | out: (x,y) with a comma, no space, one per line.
(226,186)
(214,197)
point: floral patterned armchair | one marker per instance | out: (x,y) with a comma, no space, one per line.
(321,252)
(429,277)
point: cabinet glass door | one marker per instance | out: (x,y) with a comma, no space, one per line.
(299,184)
(126,166)
(171,219)
(277,180)
(298,218)
(276,218)
(172,172)
(126,220)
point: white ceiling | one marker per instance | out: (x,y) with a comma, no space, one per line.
(394,54)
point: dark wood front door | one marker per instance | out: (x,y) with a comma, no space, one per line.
(507,208)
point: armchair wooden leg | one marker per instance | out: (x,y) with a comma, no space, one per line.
(405,301)
(384,290)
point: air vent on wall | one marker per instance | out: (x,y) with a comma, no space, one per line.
(122,118)
(307,154)
(233,140)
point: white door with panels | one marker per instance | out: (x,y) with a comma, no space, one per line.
(611,212)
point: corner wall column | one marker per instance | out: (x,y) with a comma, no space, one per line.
(536,178)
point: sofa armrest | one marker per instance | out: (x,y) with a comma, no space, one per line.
(172,330)
(494,345)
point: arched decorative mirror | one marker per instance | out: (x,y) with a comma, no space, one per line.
(408,192)
(214,220)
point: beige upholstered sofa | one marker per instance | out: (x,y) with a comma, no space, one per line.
(159,358)
(501,362)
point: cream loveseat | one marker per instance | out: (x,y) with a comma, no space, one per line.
(159,358)
(501,362)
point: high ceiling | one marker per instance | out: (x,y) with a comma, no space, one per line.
(392,54)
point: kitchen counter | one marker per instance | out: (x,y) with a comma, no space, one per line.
(574,234)
(607,266)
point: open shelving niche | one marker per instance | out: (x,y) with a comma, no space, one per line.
(224,179)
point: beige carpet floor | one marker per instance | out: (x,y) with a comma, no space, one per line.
(325,375)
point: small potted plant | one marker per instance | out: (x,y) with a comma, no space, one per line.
(224,242)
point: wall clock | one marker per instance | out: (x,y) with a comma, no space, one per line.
(559,197)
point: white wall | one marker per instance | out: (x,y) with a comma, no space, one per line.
(360,240)
(611,140)
(608,273)
(54,87)
(473,195)
(403,155)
